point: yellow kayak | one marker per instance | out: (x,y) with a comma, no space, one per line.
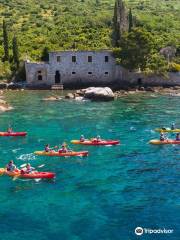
(60,154)
(167,130)
(2,171)
(168,141)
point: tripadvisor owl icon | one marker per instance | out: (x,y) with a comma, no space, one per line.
(139,231)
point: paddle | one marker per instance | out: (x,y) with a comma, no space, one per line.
(24,165)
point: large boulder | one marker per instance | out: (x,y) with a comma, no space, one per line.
(99,94)
(70,96)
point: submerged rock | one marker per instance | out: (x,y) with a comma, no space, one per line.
(52,98)
(4,106)
(99,94)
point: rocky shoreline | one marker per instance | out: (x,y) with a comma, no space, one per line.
(171,91)
(95,94)
(100,94)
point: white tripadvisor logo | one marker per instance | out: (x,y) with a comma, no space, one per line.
(139,231)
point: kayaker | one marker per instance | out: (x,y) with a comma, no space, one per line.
(162,137)
(63,149)
(173,126)
(10,130)
(11,167)
(47,148)
(98,138)
(178,137)
(82,139)
(28,169)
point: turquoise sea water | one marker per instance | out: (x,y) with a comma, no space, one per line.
(104,196)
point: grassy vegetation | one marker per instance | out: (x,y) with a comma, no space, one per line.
(82,24)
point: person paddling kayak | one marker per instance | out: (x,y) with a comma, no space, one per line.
(178,137)
(28,169)
(63,149)
(11,167)
(9,130)
(97,139)
(82,138)
(47,148)
(173,126)
(163,137)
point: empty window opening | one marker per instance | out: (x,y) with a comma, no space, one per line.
(106,73)
(58,58)
(139,81)
(73,72)
(73,58)
(106,59)
(39,72)
(89,58)
(89,73)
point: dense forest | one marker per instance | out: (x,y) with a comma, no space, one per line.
(35,25)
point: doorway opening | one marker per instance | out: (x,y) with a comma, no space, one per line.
(57,77)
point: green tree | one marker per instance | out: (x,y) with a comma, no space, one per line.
(137,47)
(130,17)
(157,64)
(120,21)
(45,54)
(5,42)
(15,52)
(97,2)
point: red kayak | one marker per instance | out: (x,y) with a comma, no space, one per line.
(20,174)
(13,134)
(38,175)
(96,143)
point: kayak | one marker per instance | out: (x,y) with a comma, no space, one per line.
(27,175)
(167,130)
(57,154)
(13,134)
(96,143)
(169,141)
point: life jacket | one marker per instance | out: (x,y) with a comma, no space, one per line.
(10,168)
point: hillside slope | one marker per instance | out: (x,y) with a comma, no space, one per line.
(82,24)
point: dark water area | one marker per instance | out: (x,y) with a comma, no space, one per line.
(105,195)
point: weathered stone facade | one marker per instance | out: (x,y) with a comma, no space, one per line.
(74,67)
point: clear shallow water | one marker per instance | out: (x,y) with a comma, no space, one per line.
(104,196)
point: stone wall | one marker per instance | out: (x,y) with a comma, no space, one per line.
(83,73)
(74,67)
(131,78)
(34,71)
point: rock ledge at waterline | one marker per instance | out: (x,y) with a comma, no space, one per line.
(4,106)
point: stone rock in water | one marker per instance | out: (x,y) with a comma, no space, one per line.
(69,96)
(99,94)
(52,98)
(4,106)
